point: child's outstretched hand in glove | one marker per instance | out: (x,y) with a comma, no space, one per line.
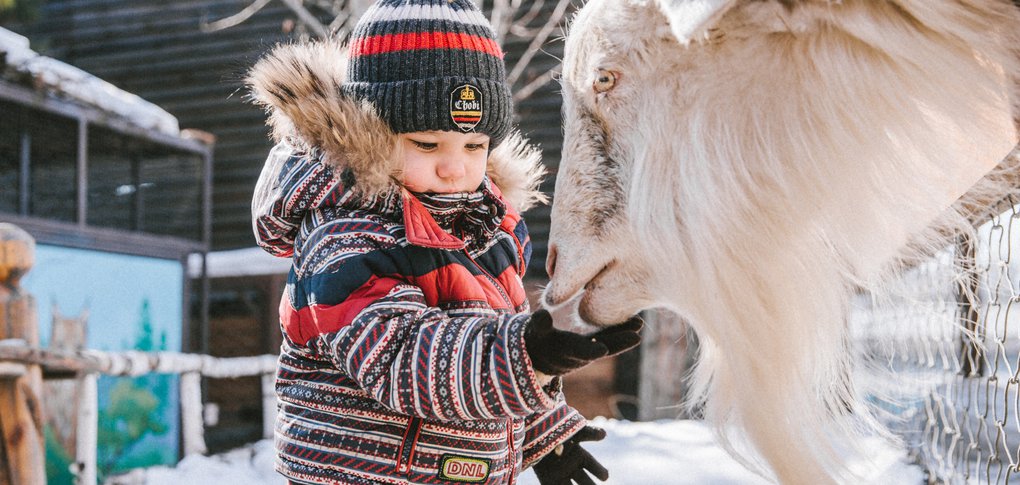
(556,352)
(569,463)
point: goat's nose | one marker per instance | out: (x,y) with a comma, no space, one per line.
(550,260)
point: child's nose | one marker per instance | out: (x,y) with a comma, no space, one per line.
(451,168)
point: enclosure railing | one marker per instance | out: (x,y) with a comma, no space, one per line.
(16,359)
(24,366)
(943,354)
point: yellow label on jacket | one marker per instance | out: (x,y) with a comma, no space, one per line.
(463,469)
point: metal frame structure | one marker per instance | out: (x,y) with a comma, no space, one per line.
(79,234)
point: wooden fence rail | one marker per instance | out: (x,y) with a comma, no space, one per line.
(24,366)
(132,363)
(16,358)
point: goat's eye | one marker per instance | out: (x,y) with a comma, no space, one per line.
(605,80)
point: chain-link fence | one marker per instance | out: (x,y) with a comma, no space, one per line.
(944,349)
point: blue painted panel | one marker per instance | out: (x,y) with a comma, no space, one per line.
(133,303)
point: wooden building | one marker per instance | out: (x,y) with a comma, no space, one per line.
(116,198)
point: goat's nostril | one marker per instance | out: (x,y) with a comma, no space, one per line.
(550,261)
(548,300)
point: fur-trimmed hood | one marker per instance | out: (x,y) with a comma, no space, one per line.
(299,86)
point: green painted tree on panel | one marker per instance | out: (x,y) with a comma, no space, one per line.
(137,408)
(58,461)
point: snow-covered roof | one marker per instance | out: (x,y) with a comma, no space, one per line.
(238,262)
(19,62)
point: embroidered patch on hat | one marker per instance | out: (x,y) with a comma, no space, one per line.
(463,469)
(466,107)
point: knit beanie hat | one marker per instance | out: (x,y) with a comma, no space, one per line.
(430,65)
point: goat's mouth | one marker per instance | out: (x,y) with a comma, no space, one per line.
(593,282)
(553,299)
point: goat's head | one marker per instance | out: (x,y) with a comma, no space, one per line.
(620,79)
(678,112)
(747,163)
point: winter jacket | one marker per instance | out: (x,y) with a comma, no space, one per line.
(403,358)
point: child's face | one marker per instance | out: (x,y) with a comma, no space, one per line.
(443,162)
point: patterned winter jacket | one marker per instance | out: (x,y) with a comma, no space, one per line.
(403,358)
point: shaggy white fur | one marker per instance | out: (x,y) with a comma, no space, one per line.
(750,164)
(299,85)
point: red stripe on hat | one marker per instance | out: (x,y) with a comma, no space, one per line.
(381,44)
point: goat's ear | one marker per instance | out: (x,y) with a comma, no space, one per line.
(691,19)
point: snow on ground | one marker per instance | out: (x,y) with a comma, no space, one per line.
(645,453)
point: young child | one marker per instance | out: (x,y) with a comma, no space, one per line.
(409,354)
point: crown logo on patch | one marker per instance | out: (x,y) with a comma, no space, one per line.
(466,107)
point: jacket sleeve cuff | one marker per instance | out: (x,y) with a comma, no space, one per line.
(545,431)
(541,392)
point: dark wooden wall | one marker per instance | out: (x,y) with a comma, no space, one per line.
(155,48)
(539,120)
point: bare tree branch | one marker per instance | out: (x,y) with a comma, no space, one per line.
(237,18)
(543,35)
(520,27)
(340,21)
(306,17)
(530,88)
(500,17)
(350,11)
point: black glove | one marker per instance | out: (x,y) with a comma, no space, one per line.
(555,352)
(570,463)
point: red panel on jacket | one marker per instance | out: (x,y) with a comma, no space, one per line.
(314,320)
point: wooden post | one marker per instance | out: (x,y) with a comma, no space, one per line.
(665,344)
(192,423)
(68,335)
(268,405)
(87,432)
(22,447)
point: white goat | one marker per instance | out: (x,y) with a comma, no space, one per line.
(749,164)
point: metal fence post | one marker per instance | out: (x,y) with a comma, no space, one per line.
(22,447)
